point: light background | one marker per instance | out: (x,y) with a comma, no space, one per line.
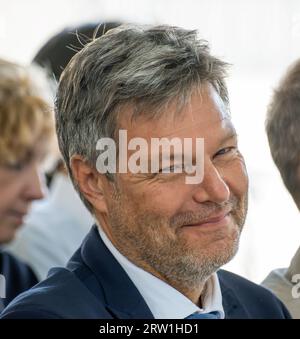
(260,38)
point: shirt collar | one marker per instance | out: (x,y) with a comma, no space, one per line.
(164,301)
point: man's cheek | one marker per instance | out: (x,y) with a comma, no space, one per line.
(237,178)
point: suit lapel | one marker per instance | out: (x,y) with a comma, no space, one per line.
(122,298)
(233,308)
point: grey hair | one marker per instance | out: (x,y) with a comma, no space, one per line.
(145,67)
(283,130)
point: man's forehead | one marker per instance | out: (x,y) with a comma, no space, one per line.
(204,112)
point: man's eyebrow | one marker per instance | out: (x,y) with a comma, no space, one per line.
(229,135)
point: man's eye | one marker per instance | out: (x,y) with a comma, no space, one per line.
(226,150)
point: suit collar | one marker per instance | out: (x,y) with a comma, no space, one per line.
(122,298)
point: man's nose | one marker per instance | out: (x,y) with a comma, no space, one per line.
(213,188)
(34,185)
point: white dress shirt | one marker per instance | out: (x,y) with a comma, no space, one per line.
(164,301)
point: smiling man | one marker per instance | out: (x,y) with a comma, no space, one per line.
(159,241)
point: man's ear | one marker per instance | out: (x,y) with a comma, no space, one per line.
(90,182)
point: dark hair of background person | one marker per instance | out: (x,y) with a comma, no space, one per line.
(283,129)
(56,53)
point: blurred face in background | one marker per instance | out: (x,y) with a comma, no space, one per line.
(20,184)
(26,135)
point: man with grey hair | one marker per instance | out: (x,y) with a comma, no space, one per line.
(164,232)
(283,130)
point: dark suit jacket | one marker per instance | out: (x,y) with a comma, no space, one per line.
(94,285)
(18,277)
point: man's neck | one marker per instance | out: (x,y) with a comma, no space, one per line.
(194,294)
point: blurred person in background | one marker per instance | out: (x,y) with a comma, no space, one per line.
(283,131)
(57,224)
(26,132)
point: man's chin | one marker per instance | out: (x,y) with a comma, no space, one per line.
(217,253)
(223,251)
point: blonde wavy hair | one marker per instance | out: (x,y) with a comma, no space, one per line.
(26,112)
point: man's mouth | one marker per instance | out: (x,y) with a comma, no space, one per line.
(219,219)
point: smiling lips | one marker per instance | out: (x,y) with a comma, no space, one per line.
(221,219)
